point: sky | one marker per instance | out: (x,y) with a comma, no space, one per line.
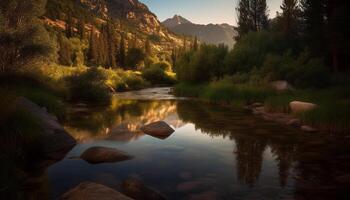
(202,11)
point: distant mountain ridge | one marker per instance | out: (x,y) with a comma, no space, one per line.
(211,33)
(175,21)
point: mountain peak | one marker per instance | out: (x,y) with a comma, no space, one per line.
(175,21)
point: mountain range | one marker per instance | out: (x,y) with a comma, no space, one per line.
(211,33)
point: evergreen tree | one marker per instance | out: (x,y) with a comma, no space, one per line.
(121,53)
(290,20)
(110,38)
(93,48)
(174,56)
(69,26)
(65,52)
(148,48)
(252,16)
(314,23)
(195,44)
(81,29)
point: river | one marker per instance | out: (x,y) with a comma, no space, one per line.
(216,152)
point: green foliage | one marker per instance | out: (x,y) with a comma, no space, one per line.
(203,65)
(164,65)
(156,74)
(88,86)
(223,91)
(301,72)
(134,57)
(154,38)
(250,52)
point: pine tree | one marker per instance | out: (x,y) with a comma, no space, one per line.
(314,25)
(290,20)
(93,48)
(148,48)
(195,44)
(81,29)
(69,26)
(64,53)
(252,16)
(110,37)
(121,53)
(174,56)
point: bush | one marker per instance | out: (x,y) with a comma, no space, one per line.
(88,86)
(250,52)
(203,65)
(156,75)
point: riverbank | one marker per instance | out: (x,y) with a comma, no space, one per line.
(331,113)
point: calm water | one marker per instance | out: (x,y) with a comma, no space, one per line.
(215,153)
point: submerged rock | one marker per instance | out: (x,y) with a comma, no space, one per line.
(93,191)
(55,140)
(188,186)
(96,155)
(300,107)
(136,189)
(158,129)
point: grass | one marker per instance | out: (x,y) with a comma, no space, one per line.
(223,92)
(332,113)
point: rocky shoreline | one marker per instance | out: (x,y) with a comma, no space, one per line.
(259,109)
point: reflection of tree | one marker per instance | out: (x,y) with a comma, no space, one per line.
(284,154)
(249,152)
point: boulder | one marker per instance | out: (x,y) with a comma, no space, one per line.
(300,107)
(96,155)
(281,86)
(55,140)
(136,189)
(158,129)
(93,191)
(308,129)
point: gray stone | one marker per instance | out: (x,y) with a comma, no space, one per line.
(96,155)
(93,191)
(300,107)
(158,129)
(55,140)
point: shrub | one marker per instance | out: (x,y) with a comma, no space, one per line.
(156,75)
(88,86)
(134,57)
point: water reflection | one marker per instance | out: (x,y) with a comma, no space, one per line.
(221,151)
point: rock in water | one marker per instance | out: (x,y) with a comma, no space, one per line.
(134,188)
(300,107)
(96,155)
(56,141)
(158,129)
(93,191)
(308,129)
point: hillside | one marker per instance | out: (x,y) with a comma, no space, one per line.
(131,18)
(211,33)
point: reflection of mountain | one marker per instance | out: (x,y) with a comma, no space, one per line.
(122,120)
